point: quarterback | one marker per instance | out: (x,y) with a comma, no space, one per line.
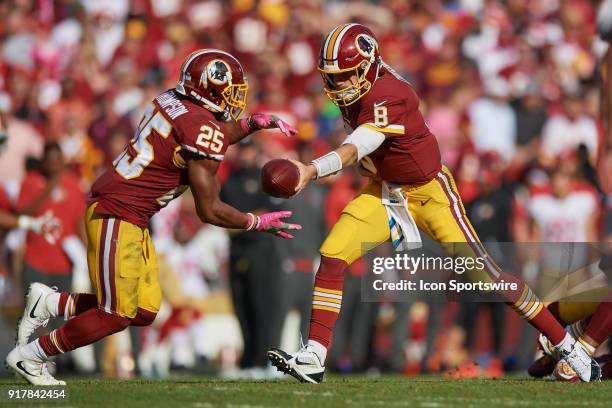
(392,145)
(180,142)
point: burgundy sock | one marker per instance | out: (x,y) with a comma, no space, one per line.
(600,325)
(84,329)
(61,306)
(73,304)
(527,305)
(326,300)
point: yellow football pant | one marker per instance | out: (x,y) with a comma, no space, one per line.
(436,208)
(122,265)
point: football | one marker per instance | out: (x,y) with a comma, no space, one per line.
(279,178)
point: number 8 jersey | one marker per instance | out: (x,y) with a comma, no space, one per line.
(410,154)
(147,175)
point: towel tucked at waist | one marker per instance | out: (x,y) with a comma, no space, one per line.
(404,232)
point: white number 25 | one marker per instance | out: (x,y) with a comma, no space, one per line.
(210,138)
(131,167)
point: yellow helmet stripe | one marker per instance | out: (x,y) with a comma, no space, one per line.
(339,40)
(331,41)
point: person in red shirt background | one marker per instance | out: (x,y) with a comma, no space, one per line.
(51,189)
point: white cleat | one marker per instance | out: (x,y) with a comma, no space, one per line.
(35,313)
(304,365)
(34,371)
(581,362)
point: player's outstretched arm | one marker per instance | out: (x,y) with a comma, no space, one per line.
(212,210)
(259,121)
(357,145)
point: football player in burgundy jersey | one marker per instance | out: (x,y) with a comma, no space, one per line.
(179,144)
(391,143)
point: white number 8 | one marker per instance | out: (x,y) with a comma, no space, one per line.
(380,116)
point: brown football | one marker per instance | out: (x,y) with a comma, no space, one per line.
(279,178)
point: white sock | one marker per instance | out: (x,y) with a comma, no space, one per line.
(52,303)
(319,349)
(567,343)
(34,351)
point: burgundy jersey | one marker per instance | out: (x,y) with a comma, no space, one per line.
(411,154)
(147,175)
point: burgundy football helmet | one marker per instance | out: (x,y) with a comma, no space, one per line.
(349,49)
(215,79)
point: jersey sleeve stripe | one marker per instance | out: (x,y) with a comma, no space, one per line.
(217,157)
(394,129)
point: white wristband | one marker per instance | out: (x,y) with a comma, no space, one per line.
(25,222)
(327,165)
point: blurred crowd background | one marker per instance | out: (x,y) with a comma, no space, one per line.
(510,88)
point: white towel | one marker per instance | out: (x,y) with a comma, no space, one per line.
(404,232)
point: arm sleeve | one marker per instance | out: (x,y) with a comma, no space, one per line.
(365,139)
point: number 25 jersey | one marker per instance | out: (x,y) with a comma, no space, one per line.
(147,175)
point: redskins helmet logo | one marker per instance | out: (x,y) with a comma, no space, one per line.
(218,72)
(366,45)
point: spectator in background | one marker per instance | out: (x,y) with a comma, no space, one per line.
(530,114)
(70,107)
(23,141)
(492,121)
(565,214)
(51,189)
(254,268)
(107,126)
(568,129)
(444,121)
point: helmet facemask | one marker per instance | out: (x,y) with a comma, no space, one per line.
(235,98)
(349,94)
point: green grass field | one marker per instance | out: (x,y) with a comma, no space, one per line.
(336,391)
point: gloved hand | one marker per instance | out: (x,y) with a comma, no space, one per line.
(46,225)
(272,223)
(258,121)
